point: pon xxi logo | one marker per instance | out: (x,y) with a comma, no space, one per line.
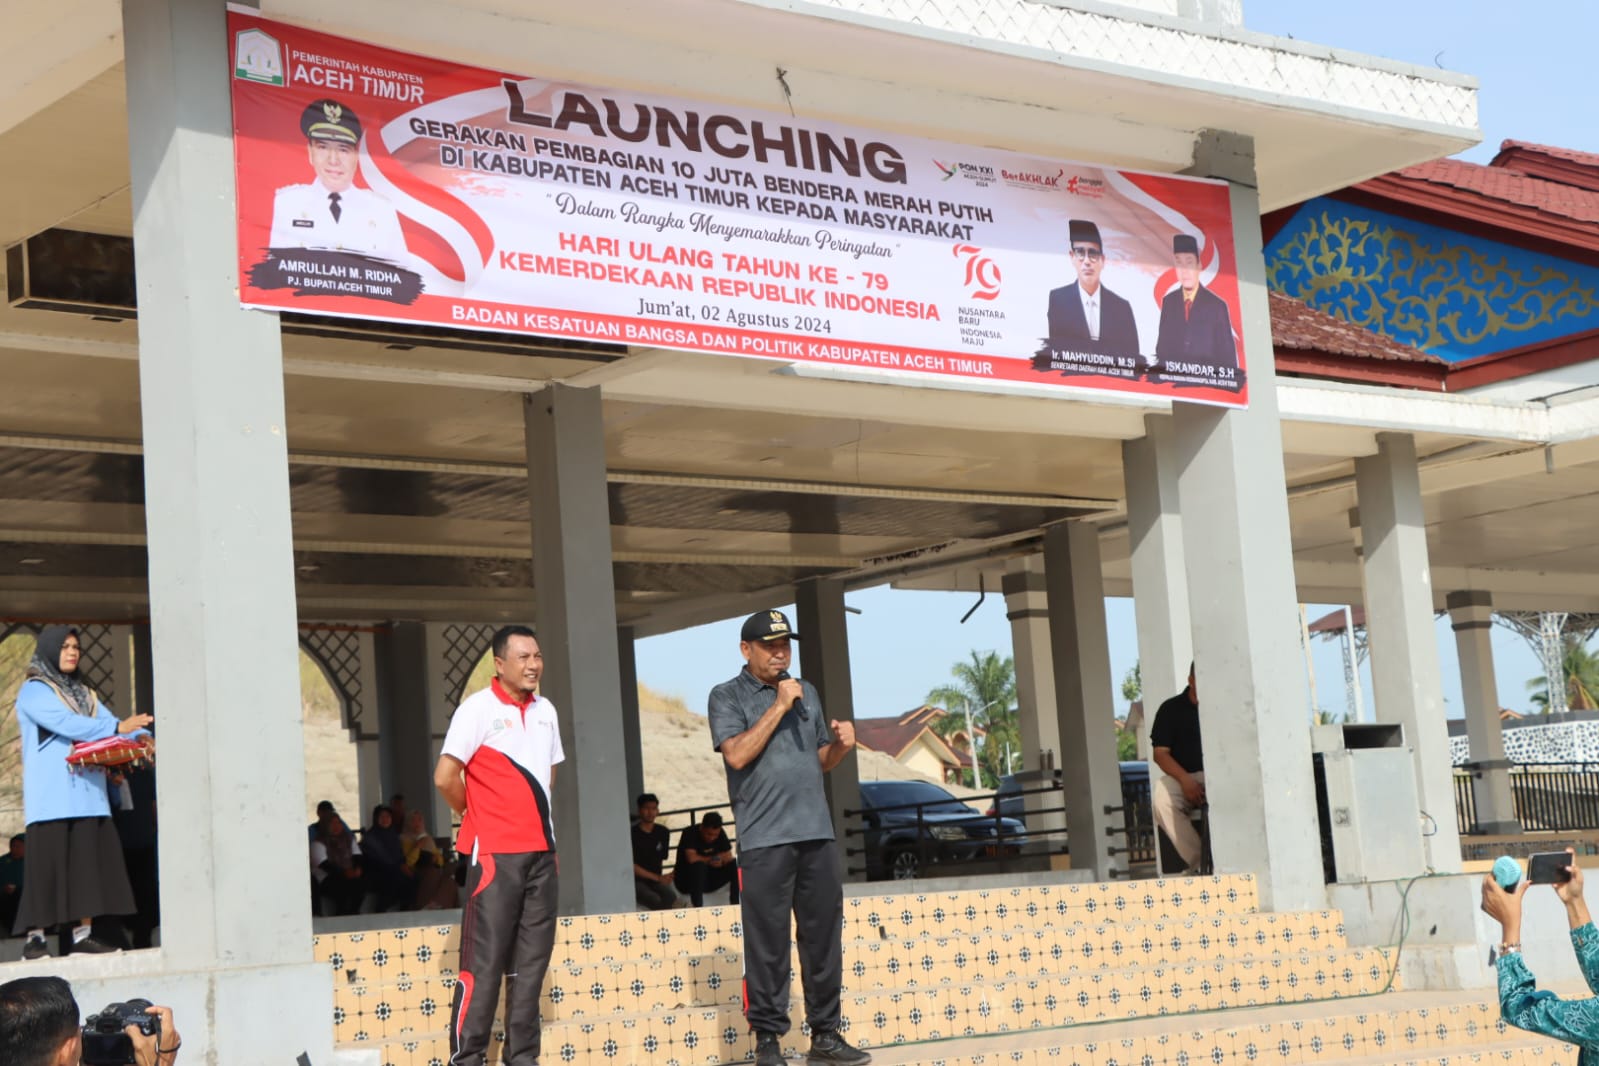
(975,172)
(982,273)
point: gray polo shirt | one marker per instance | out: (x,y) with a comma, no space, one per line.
(778,798)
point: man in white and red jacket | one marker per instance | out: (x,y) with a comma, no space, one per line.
(498,771)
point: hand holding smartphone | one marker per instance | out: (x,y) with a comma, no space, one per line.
(1549,868)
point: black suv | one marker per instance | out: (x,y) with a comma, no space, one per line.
(950,831)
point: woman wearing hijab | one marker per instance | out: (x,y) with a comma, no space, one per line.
(74,871)
(435,888)
(385,861)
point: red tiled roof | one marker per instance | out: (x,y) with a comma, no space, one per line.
(1526,148)
(892,736)
(1507,185)
(1299,327)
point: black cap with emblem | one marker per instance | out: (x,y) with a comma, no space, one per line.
(767,625)
(329,120)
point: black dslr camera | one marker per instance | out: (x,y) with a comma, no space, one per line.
(105,1043)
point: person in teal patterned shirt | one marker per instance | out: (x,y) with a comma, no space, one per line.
(1521,1004)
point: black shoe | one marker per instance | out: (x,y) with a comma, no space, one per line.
(768,1050)
(830,1047)
(91,946)
(35,948)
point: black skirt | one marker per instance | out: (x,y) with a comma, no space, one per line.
(74,871)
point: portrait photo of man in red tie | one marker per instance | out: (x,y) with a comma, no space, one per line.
(1195,327)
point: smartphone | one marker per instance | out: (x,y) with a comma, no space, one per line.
(1549,868)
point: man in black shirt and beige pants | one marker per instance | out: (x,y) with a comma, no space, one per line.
(776,745)
(1180,755)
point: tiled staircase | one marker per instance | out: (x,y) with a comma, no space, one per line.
(1154,973)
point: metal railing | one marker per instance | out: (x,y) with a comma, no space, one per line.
(1137,824)
(1547,796)
(899,848)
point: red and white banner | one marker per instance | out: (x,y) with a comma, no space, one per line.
(382,185)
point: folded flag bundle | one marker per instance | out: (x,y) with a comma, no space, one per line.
(112,751)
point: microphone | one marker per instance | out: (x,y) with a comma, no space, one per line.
(799,708)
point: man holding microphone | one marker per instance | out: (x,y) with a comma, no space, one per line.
(776,745)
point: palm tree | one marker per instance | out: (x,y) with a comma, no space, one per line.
(986,686)
(1581,668)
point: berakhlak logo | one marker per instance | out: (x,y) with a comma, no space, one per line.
(257,57)
(949,169)
(982,273)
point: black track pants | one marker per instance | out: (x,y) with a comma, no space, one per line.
(507,931)
(803,880)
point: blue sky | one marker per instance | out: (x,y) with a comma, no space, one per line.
(1532,70)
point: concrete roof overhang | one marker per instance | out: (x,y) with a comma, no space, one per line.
(732,479)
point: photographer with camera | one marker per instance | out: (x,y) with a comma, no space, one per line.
(39,1027)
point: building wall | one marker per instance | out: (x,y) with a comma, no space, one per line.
(1561,742)
(924,759)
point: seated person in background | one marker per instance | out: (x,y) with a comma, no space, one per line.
(384,859)
(335,868)
(323,809)
(651,887)
(402,813)
(11,883)
(1175,742)
(1576,1021)
(705,861)
(39,1027)
(435,887)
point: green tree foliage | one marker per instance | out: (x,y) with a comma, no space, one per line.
(987,685)
(1126,745)
(1581,667)
(1133,683)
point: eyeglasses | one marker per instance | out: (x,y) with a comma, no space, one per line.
(1091,254)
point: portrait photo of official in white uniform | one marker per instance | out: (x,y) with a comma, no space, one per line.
(331,213)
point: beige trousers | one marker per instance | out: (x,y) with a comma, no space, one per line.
(1171,814)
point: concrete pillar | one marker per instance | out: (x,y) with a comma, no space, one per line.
(221,569)
(1254,707)
(405,758)
(369,779)
(1160,580)
(440,700)
(1037,719)
(122,670)
(1471,614)
(1080,647)
(1406,680)
(577,632)
(1026,606)
(824,656)
(143,672)
(363,725)
(632,739)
